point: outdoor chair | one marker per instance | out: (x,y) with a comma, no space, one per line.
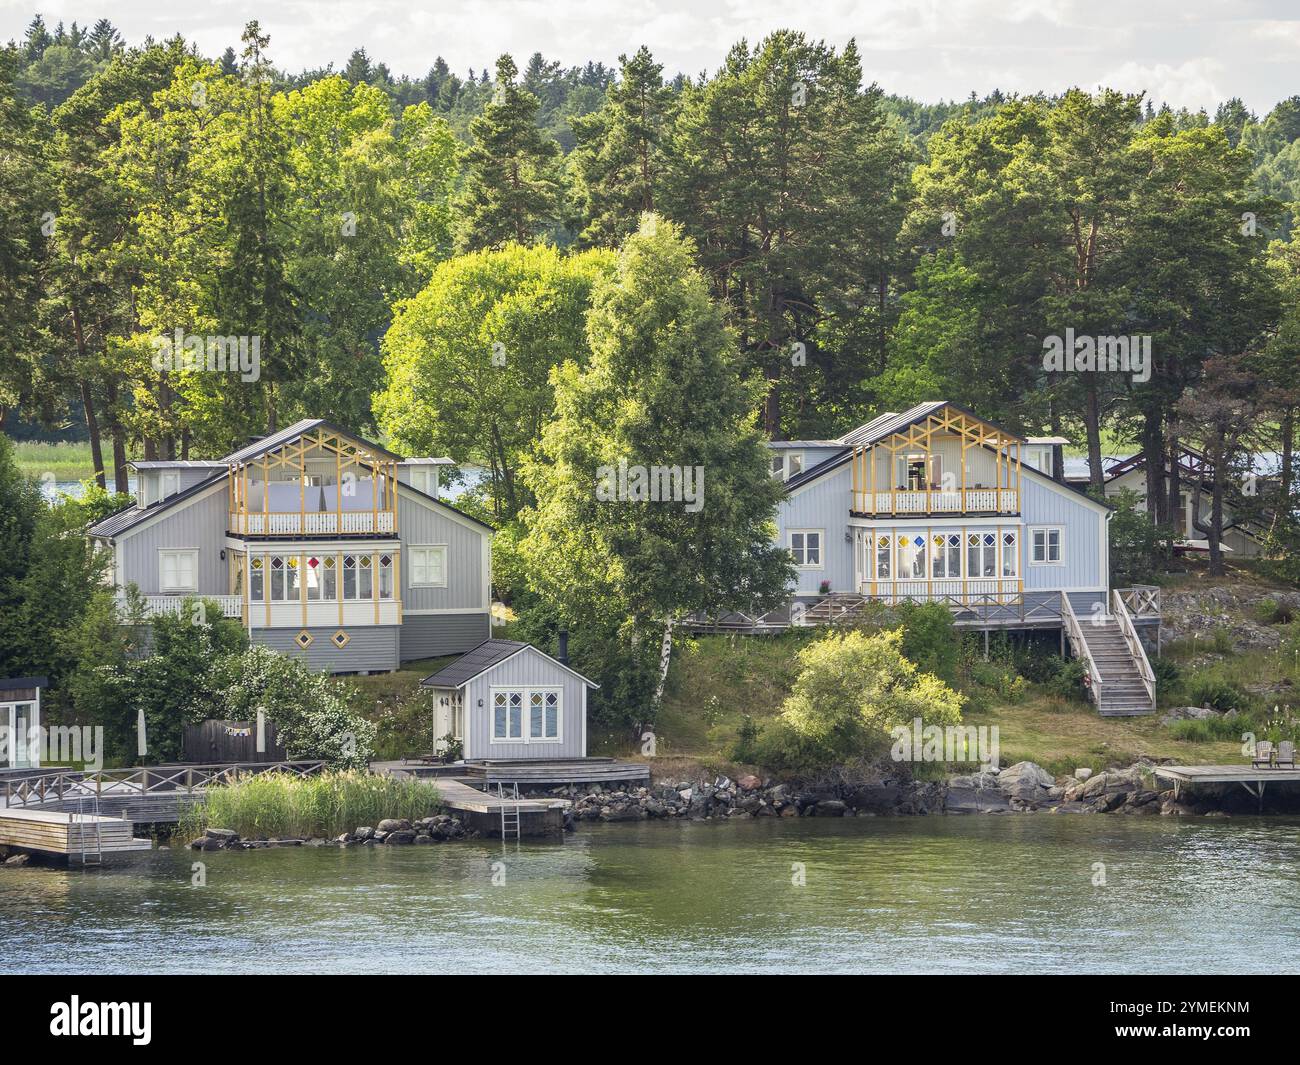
(1286,754)
(1263,754)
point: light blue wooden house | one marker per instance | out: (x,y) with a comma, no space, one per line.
(938,505)
(326,546)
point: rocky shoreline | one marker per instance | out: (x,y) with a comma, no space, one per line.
(389,832)
(1021,788)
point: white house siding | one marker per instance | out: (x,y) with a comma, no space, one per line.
(822,504)
(1085,563)
(200,524)
(372,648)
(528,668)
(432,635)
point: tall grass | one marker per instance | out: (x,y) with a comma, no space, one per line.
(67,460)
(287,806)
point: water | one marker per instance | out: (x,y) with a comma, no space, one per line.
(1000,894)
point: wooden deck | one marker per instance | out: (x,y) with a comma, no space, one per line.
(1253,779)
(540,772)
(60,833)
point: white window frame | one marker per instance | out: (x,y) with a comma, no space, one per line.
(176,552)
(526,692)
(424,478)
(821,547)
(415,552)
(1046,531)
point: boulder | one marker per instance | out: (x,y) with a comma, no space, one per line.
(749,782)
(974,801)
(223,834)
(879,798)
(831,808)
(394,824)
(364,833)
(1082,773)
(401,835)
(1025,781)
(1187,713)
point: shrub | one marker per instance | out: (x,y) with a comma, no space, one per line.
(745,748)
(1068,683)
(1271,612)
(1000,679)
(1167,674)
(930,639)
(1207,729)
(1217,694)
(314,718)
(852,688)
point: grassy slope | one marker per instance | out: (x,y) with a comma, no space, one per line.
(715,680)
(401,709)
(67,461)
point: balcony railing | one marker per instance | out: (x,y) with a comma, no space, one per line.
(952,592)
(938,501)
(232,606)
(312,523)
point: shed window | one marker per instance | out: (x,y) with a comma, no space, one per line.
(543,706)
(178,571)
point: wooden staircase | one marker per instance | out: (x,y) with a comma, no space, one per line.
(1123,691)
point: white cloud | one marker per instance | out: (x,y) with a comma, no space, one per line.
(1188,52)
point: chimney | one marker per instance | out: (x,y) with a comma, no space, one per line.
(563,655)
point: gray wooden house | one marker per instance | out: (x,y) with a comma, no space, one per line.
(508,700)
(326,546)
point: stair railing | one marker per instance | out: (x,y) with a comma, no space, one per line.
(1135,648)
(1079,645)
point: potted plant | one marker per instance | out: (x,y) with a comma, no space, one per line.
(825,588)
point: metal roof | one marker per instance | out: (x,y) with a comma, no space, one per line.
(804,443)
(177,464)
(489,653)
(134,515)
(292,432)
(427,462)
(8,684)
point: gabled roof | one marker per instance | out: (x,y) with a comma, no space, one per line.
(487,655)
(122,520)
(402,486)
(292,432)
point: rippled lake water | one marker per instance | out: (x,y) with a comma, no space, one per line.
(1008,894)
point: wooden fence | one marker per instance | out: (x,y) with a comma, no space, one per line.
(214,741)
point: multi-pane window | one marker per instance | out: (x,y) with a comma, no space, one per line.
(884,558)
(806,547)
(279,582)
(981,555)
(329,578)
(428,567)
(385,576)
(911,557)
(543,714)
(1045,546)
(508,715)
(178,571)
(945,558)
(1010,555)
(358,577)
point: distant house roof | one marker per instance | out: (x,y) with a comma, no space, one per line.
(8,684)
(122,520)
(427,462)
(178,464)
(485,656)
(803,443)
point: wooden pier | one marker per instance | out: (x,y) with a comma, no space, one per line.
(1252,778)
(67,834)
(491,810)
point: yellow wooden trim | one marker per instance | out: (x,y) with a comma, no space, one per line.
(374,583)
(338,584)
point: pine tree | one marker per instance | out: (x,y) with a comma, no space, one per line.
(618,164)
(511,191)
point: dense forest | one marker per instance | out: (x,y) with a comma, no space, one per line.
(380,234)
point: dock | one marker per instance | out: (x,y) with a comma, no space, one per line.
(1252,778)
(73,835)
(501,812)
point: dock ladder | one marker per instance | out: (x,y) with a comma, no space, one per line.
(89,854)
(509,806)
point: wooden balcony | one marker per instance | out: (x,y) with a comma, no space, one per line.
(313,523)
(929,501)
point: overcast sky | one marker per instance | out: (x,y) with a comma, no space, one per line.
(1186,52)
